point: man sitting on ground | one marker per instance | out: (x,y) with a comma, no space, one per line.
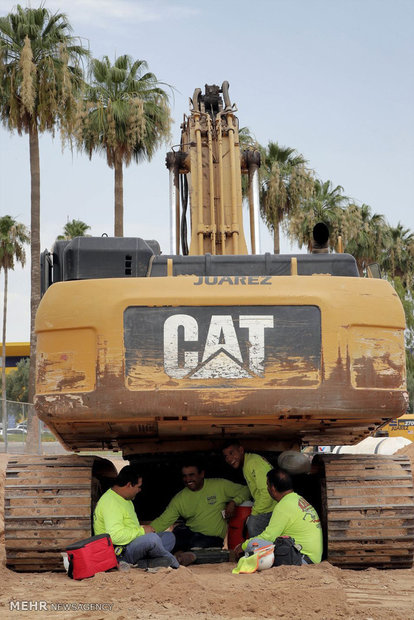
(200,504)
(255,468)
(134,543)
(292,516)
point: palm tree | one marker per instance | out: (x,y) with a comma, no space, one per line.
(125,116)
(247,142)
(39,76)
(398,257)
(326,204)
(365,234)
(284,183)
(75,228)
(13,236)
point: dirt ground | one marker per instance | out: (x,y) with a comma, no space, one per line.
(209,592)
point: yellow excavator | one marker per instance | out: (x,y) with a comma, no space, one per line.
(402,427)
(163,355)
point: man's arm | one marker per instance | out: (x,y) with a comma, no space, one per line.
(168,517)
(238,493)
(258,468)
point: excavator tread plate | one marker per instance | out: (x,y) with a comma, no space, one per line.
(339,538)
(369,524)
(46,512)
(369,503)
(35,562)
(70,532)
(44,478)
(49,467)
(397,530)
(64,460)
(33,500)
(372,520)
(47,507)
(353,491)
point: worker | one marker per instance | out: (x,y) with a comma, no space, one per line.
(202,504)
(134,543)
(292,516)
(255,468)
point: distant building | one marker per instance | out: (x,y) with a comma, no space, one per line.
(15,352)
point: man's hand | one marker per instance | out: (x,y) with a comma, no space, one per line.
(238,551)
(148,529)
(230,509)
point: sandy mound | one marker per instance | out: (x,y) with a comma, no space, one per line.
(408,451)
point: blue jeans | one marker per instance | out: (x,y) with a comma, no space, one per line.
(187,539)
(256,524)
(150,546)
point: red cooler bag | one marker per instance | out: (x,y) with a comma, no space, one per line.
(90,556)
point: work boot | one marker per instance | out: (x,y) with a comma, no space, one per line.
(159,562)
(211,555)
(124,566)
(185,558)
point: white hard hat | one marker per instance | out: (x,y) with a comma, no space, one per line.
(294,462)
(266,557)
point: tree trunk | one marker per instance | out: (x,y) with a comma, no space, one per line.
(119,198)
(276,239)
(32,440)
(3,366)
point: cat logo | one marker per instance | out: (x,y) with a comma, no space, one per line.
(206,346)
(221,354)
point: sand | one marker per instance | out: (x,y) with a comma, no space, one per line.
(209,592)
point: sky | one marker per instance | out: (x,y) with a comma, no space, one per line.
(333,79)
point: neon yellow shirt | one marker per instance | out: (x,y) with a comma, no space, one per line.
(116,516)
(202,509)
(294,516)
(255,468)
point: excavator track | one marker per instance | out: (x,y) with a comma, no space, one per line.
(47,507)
(369,511)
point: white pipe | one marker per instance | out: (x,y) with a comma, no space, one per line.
(256,209)
(173,198)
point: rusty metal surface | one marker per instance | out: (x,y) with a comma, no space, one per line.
(114,413)
(369,511)
(47,507)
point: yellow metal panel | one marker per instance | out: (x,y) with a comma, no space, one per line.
(66,361)
(377,357)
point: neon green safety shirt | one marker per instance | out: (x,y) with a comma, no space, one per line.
(294,516)
(116,516)
(255,468)
(202,509)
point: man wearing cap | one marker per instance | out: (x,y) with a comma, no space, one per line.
(292,516)
(255,469)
